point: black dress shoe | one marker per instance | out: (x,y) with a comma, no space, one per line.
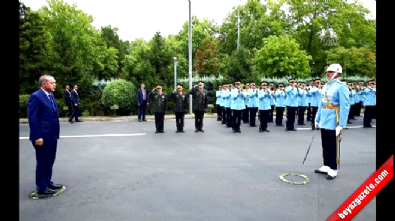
(162,131)
(182,131)
(238,131)
(196,130)
(56,186)
(78,121)
(47,192)
(330,177)
(201,130)
(140,120)
(319,171)
(267,131)
(157,131)
(367,126)
(253,125)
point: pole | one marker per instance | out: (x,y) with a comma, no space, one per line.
(190,56)
(175,72)
(238,28)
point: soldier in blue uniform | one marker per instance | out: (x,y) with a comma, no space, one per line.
(369,103)
(228,101)
(280,103)
(309,95)
(315,98)
(264,97)
(332,119)
(302,103)
(218,103)
(272,89)
(237,106)
(245,114)
(222,103)
(252,104)
(291,102)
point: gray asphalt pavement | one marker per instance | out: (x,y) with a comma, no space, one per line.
(117,171)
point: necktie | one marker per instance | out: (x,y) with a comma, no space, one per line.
(144,95)
(53,102)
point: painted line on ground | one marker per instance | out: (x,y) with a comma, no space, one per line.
(101,135)
(350,127)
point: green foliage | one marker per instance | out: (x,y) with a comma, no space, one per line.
(23,100)
(85,113)
(281,57)
(120,92)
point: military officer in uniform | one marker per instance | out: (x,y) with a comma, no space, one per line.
(228,101)
(302,103)
(309,95)
(218,103)
(245,114)
(332,117)
(237,106)
(315,98)
(222,103)
(291,102)
(369,103)
(264,97)
(252,104)
(199,105)
(180,106)
(159,108)
(272,89)
(280,104)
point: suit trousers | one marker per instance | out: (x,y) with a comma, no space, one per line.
(236,119)
(263,119)
(291,113)
(70,107)
(328,138)
(199,115)
(45,159)
(180,120)
(253,111)
(159,120)
(142,110)
(75,113)
(279,115)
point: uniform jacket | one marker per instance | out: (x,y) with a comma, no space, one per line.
(237,100)
(160,102)
(264,100)
(338,94)
(280,98)
(291,99)
(181,101)
(199,99)
(253,98)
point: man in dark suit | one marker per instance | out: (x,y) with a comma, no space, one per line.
(43,116)
(75,100)
(67,99)
(142,102)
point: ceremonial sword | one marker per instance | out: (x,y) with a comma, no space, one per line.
(309,146)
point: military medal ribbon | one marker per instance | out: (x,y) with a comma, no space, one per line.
(366,192)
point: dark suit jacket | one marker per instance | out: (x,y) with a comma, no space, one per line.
(67,96)
(140,96)
(43,119)
(75,98)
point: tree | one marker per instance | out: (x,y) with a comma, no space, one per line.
(207,62)
(281,57)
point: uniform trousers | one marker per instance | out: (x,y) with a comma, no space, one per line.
(219,112)
(159,120)
(279,115)
(270,117)
(199,115)
(328,138)
(245,115)
(45,159)
(263,118)
(301,110)
(368,115)
(223,110)
(252,113)
(308,117)
(291,113)
(228,117)
(313,113)
(180,120)
(236,119)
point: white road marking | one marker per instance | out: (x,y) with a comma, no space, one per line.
(352,127)
(102,135)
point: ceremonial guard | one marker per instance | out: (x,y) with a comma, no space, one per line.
(331,118)
(315,99)
(369,103)
(291,103)
(159,108)
(358,98)
(272,89)
(245,114)
(302,103)
(237,106)
(199,103)
(218,103)
(180,106)
(222,103)
(309,96)
(228,102)
(352,103)
(252,104)
(280,104)
(264,97)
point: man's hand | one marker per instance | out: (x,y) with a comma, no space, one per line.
(338,130)
(39,142)
(317,124)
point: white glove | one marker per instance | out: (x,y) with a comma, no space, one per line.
(317,124)
(338,130)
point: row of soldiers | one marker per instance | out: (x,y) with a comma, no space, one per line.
(243,102)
